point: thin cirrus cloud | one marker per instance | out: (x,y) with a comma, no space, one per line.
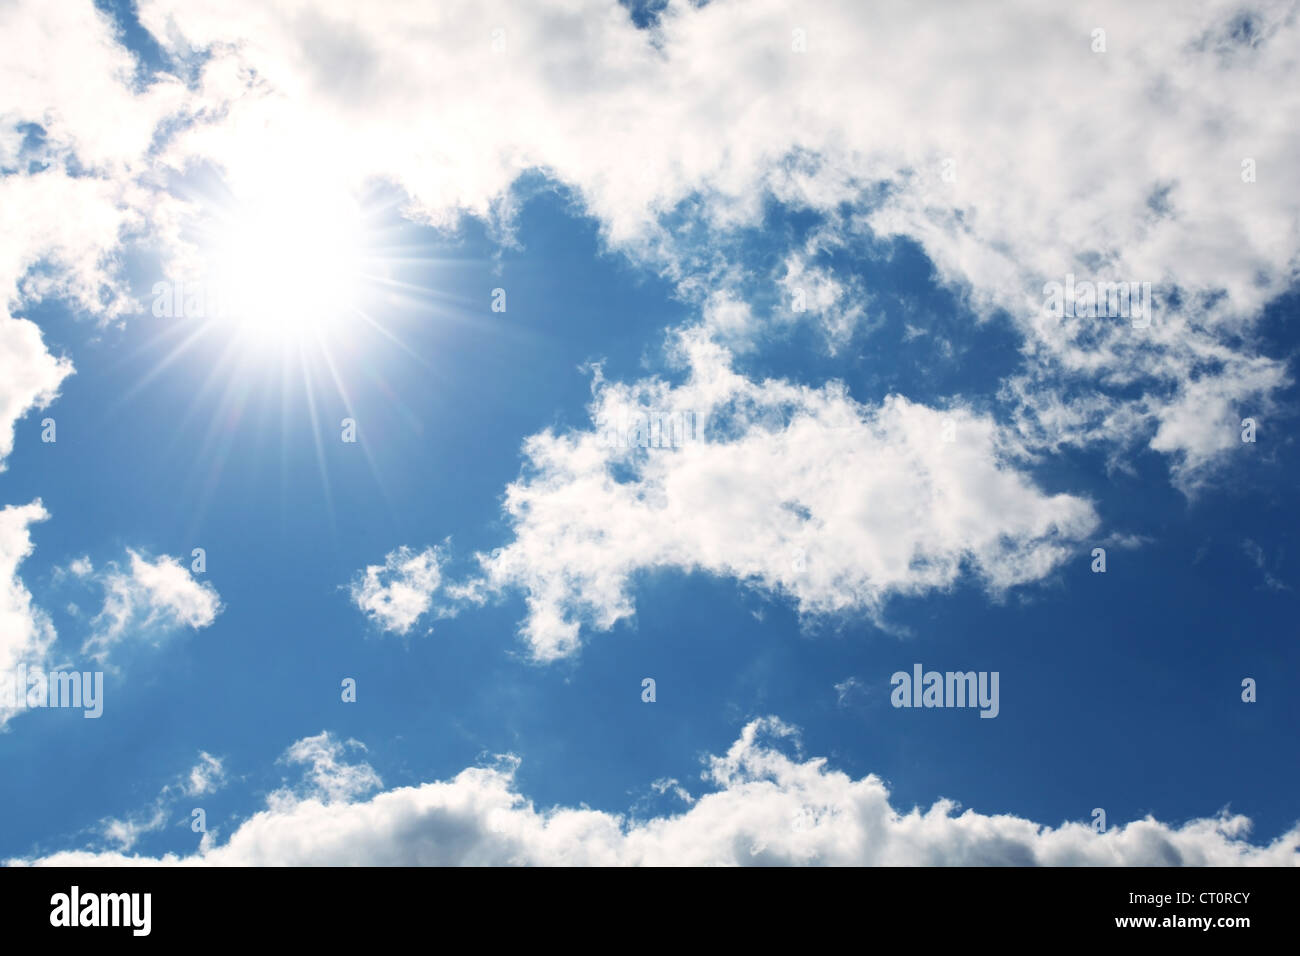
(763,806)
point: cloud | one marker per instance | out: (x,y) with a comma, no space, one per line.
(679,136)
(1024,170)
(849,691)
(840,306)
(398,592)
(763,807)
(795,490)
(26,632)
(329,778)
(207,776)
(75,132)
(125,834)
(63,69)
(29,376)
(48,253)
(1256,555)
(150,597)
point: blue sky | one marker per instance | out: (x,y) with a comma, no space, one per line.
(1120,690)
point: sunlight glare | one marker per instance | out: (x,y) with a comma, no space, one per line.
(289,265)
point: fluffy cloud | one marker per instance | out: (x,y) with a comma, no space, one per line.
(147,598)
(75,130)
(63,69)
(1022,170)
(398,592)
(764,807)
(29,376)
(46,252)
(26,631)
(800,491)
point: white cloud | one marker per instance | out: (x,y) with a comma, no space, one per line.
(712,112)
(26,632)
(763,807)
(840,306)
(730,320)
(62,68)
(800,491)
(1022,171)
(81,567)
(206,776)
(398,592)
(150,597)
(329,777)
(58,236)
(69,197)
(29,376)
(673,786)
(125,834)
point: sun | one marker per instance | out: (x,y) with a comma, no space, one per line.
(287,267)
(299,296)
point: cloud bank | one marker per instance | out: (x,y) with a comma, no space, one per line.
(764,807)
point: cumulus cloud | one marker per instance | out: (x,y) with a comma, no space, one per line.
(75,130)
(148,598)
(398,592)
(1023,171)
(64,70)
(26,631)
(29,376)
(797,490)
(763,806)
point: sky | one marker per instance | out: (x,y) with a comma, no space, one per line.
(500,433)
